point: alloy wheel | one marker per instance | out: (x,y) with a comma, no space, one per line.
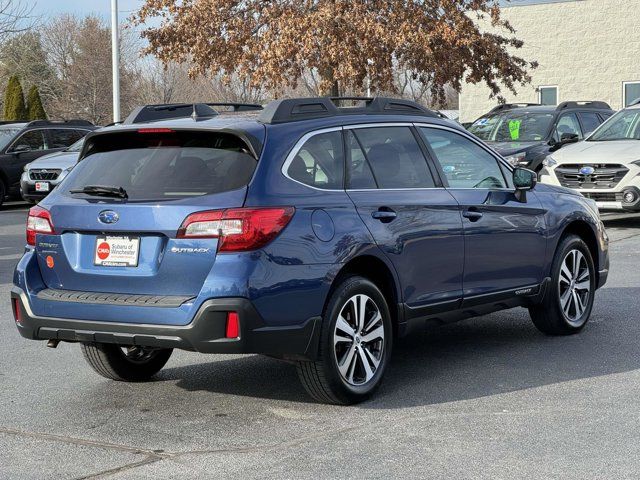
(574,286)
(358,340)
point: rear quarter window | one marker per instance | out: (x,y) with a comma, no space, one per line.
(165,165)
(319,162)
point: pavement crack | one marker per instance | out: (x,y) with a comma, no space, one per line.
(81,441)
(129,466)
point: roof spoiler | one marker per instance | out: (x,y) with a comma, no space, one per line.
(294,109)
(197,111)
(166,111)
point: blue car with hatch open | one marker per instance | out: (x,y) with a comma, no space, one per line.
(313,232)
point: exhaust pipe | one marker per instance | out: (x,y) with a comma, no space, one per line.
(53,343)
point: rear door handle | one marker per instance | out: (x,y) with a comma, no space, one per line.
(472,215)
(385,215)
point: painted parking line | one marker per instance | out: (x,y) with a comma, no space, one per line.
(15,256)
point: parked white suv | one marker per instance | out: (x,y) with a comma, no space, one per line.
(605,166)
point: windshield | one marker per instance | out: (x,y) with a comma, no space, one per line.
(75,147)
(6,135)
(512,127)
(625,125)
(164,165)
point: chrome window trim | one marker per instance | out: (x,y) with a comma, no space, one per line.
(296,148)
(377,125)
(298,145)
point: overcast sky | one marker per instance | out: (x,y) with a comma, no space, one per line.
(125,7)
(81,7)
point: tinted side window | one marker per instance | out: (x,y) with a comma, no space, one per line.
(320,161)
(590,121)
(61,138)
(360,175)
(395,157)
(464,163)
(34,139)
(568,123)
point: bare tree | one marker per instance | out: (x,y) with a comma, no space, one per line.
(15,17)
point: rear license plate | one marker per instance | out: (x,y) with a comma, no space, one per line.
(117,251)
(42,186)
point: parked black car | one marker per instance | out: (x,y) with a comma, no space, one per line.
(21,143)
(525,133)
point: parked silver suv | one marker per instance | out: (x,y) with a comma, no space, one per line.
(43,174)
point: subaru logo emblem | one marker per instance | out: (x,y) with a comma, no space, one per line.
(587,170)
(108,216)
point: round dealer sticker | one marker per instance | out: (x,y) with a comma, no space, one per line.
(50,261)
(103,250)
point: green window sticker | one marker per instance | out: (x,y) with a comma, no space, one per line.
(514,129)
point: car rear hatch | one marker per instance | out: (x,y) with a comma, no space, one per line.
(116,218)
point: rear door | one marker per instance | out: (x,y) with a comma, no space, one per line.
(411,217)
(504,238)
(60,138)
(130,245)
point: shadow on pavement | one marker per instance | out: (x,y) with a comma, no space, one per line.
(474,358)
(13,206)
(622,222)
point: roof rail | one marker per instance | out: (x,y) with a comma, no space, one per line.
(73,122)
(237,107)
(294,109)
(509,106)
(584,104)
(8,122)
(166,111)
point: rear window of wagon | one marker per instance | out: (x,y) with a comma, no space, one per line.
(163,164)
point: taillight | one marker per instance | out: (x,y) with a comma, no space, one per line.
(238,229)
(38,221)
(232,329)
(17,315)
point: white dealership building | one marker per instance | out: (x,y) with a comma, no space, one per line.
(586,50)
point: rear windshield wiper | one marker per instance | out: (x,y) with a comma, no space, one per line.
(102,190)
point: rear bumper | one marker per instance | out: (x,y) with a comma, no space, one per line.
(205,334)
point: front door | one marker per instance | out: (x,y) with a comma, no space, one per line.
(412,218)
(504,238)
(26,148)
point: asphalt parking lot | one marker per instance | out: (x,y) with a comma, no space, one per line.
(486,398)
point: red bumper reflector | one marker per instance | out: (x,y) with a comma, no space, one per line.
(17,316)
(233,325)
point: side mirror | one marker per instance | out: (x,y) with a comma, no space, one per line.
(568,138)
(21,149)
(524,180)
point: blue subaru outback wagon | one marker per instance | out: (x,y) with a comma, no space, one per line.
(314,232)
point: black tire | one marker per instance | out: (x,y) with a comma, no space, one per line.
(322,378)
(136,365)
(549,316)
(3,193)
